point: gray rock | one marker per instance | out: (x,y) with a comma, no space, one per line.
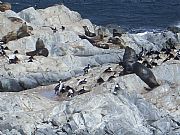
(10,85)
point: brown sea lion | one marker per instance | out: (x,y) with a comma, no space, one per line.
(23,31)
(31,53)
(116,33)
(40,49)
(15,19)
(9,37)
(88,33)
(43,52)
(129,58)
(174,29)
(145,74)
(5,6)
(39,44)
(103,45)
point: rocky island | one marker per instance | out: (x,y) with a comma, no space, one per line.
(55,44)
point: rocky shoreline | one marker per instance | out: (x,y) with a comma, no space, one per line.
(29,105)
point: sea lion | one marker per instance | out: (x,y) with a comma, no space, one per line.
(40,49)
(9,37)
(5,6)
(23,31)
(174,29)
(31,53)
(102,45)
(145,74)
(129,58)
(43,52)
(39,44)
(90,40)
(100,80)
(88,33)
(116,33)
(100,34)
(15,19)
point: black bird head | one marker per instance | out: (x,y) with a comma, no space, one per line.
(16,52)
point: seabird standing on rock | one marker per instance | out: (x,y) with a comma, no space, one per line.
(54,29)
(82,91)
(147,64)
(109,69)
(70,91)
(84,81)
(100,80)
(59,88)
(31,59)
(2,52)
(157,57)
(116,88)
(16,52)
(86,69)
(12,59)
(63,28)
(6,48)
(177,55)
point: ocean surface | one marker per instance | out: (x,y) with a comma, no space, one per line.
(134,15)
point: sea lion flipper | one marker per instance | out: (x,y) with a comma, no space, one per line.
(145,74)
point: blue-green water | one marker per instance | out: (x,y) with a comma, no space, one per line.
(131,14)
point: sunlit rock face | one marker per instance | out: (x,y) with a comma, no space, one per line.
(28,101)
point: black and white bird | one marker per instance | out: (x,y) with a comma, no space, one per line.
(2,52)
(82,91)
(31,59)
(109,69)
(88,33)
(16,52)
(54,29)
(59,88)
(177,57)
(63,28)
(13,59)
(70,91)
(116,88)
(84,81)
(86,69)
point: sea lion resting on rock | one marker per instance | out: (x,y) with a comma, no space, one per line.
(40,49)
(145,74)
(24,31)
(131,65)
(129,59)
(88,33)
(5,6)
(9,37)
